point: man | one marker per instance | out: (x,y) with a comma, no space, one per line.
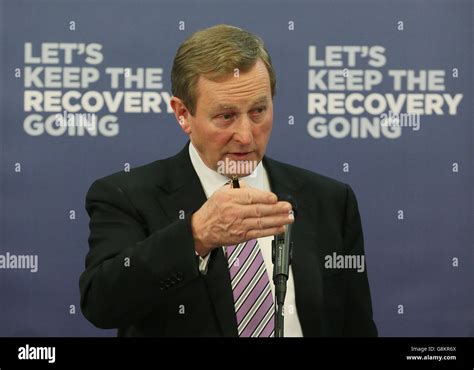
(176,251)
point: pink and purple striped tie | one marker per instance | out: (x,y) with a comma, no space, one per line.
(253,299)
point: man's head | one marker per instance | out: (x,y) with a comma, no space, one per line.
(223,84)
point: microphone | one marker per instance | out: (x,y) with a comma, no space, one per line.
(281,258)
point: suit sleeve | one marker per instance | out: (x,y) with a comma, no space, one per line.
(358,306)
(127,272)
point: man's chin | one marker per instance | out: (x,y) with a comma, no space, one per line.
(230,166)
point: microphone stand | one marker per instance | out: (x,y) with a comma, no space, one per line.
(281,265)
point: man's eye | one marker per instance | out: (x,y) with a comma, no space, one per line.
(260,110)
(226,116)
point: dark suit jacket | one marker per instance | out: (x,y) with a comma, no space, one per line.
(142,274)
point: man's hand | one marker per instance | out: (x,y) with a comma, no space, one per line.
(231,216)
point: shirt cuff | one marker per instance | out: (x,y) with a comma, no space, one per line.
(203,261)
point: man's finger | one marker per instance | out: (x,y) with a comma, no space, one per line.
(253,234)
(251,195)
(261,223)
(262,210)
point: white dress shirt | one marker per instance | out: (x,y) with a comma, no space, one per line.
(211,181)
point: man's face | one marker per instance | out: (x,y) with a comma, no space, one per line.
(233,120)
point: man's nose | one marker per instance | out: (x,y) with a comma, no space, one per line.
(243,131)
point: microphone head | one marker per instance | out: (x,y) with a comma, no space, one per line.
(288,198)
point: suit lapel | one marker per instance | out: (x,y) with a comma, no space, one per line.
(220,291)
(180,187)
(304,265)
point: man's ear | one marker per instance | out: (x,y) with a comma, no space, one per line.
(181,113)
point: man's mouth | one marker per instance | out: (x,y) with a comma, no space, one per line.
(239,155)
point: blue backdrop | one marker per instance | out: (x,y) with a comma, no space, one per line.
(413,181)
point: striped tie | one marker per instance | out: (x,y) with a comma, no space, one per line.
(253,299)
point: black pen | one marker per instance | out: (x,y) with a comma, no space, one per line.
(235,182)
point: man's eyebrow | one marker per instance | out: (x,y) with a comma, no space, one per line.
(224,106)
(260,99)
